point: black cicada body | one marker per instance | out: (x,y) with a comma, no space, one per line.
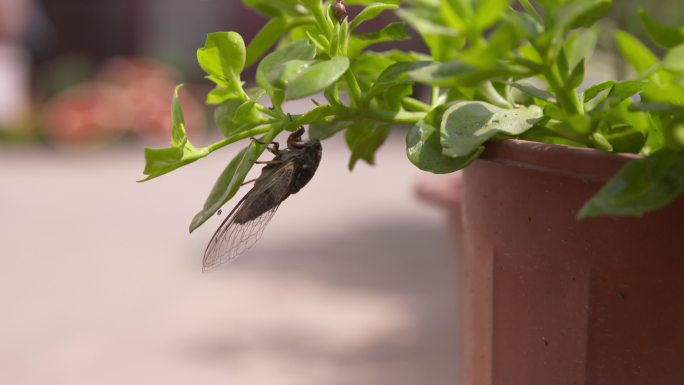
(287,173)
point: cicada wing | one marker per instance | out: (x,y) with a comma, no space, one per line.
(232,239)
(246,223)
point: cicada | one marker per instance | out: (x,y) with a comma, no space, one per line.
(287,173)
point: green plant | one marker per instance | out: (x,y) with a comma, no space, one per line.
(497,69)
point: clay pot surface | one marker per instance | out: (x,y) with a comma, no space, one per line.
(548,300)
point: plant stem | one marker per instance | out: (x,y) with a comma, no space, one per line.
(435,97)
(567,100)
(415,104)
(493,96)
(316,114)
(354,88)
(268,111)
(396,117)
(238,137)
(321,20)
(301,21)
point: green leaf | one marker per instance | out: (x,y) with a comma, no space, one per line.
(281,75)
(368,67)
(601,142)
(626,137)
(580,13)
(489,12)
(265,39)
(669,93)
(568,16)
(467,126)
(219,95)
(223,58)
(626,89)
(458,14)
(319,40)
(248,113)
(334,48)
(322,130)
(563,65)
(297,50)
(642,185)
(164,160)
(443,74)
(310,5)
(343,36)
(178,135)
(580,46)
(458,73)
(424,149)
(593,91)
(531,24)
(444,42)
(316,78)
(426,23)
(391,32)
(394,96)
(396,74)
(656,139)
(370,12)
(666,36)
(228,183)
(530,10)
(635,52)
(273,8)
(364,138)
(234,116)
(160,161)
(533,91)
(576,76)
(502,42)
(674,60)
(678,134)
(619,91)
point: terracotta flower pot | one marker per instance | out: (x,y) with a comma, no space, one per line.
(548,300)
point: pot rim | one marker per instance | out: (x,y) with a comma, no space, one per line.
(576,162)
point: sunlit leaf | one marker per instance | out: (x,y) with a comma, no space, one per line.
(265,39)
(298,50)
(424,149)
(364,138)
(467,126)
(223,58)
(228,183)
(315,78)
(641,186)
(369,13)
(667,36)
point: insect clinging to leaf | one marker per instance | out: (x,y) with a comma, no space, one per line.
(287,173)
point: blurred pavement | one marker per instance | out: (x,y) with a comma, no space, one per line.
(100,282)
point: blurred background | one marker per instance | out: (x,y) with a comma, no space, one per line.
(100,282)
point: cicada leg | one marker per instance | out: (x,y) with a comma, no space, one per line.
(269,162)
(274,149)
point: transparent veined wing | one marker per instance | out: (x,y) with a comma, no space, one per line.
(246,223)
